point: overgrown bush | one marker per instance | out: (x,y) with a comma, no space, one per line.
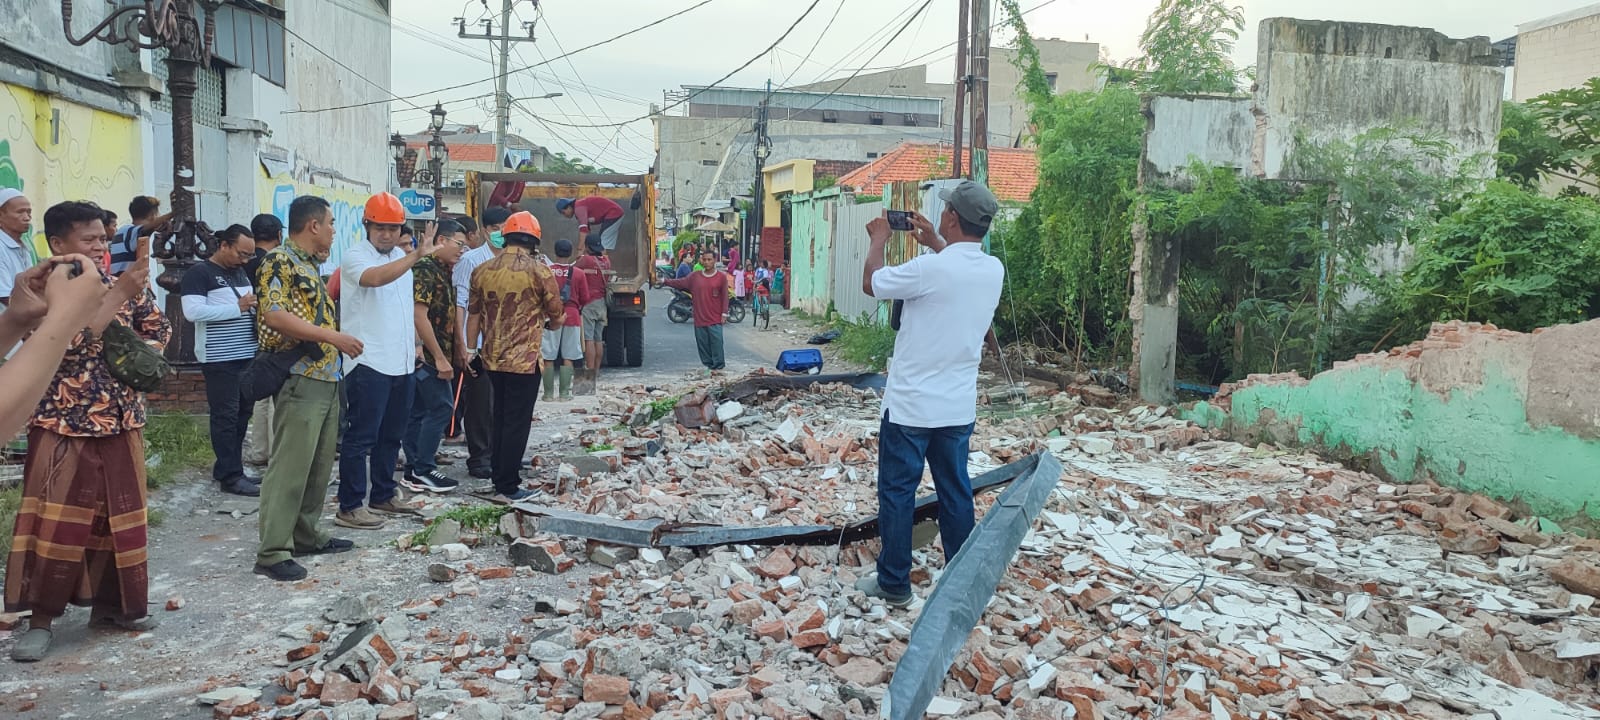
(1508,256)
(1068,252)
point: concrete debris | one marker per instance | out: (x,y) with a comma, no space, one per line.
(1230,581)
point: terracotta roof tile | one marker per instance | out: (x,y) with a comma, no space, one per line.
(461,153)
(1013,172)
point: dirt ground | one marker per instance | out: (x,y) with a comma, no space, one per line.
(233,626)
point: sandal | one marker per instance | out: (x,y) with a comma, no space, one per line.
(32,646)
(142,624)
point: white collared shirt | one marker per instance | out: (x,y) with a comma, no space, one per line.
(383,317)
(14,258)
(950,298)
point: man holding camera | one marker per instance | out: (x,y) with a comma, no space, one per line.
(930,402)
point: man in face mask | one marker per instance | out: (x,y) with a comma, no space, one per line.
(475,391)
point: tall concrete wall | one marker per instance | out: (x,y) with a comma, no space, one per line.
(1556,53)
(1324,80)
(1511,415)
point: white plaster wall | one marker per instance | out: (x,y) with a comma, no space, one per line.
(351,142)
(1217,131)
(1336,80)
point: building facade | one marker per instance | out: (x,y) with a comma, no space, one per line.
(1557,52)
(94,122)
(705,155)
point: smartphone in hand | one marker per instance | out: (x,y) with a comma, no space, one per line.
(900,220)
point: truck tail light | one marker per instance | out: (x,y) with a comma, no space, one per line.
(638,300)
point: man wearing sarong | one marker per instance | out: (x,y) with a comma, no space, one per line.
(80,532)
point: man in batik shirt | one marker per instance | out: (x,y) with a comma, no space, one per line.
(80,532)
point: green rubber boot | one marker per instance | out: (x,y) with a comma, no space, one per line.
(549,382)
(566,382)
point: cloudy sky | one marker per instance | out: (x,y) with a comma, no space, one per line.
(615,83)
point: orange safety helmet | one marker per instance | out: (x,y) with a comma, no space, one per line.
(384,209)
(522,222)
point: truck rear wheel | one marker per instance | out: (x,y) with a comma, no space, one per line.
(616,352)
(633,337)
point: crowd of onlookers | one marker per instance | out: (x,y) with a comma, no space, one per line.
(422,332)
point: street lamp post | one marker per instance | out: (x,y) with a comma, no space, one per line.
(438,155)
(170,25)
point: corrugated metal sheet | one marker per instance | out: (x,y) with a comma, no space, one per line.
(790,99)
(811,249)
(849,252)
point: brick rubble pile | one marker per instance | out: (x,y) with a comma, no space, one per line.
(1169,576)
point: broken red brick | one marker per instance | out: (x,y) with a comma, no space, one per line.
(777,565)
(808,617)
(303,652)
(384,688)
(810,638)
(496,573)
(1577,576)
(608,689)
(399,711)
(774,629)
(338,689)
(721,699)
(746,611)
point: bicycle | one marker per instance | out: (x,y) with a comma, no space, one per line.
(761,311)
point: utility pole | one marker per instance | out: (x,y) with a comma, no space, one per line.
(964,9)
(980,91)
(763,149)
(502,97)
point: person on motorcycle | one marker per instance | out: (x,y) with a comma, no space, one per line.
(709,291)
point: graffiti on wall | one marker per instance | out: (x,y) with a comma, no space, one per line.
(274,193)
(55,150)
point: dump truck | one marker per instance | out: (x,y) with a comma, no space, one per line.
(632,261)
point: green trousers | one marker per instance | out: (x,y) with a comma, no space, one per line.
(305,436)
(708,341)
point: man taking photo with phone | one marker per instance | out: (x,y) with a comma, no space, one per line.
(930,402)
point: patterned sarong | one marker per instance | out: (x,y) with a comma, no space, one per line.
(80,535)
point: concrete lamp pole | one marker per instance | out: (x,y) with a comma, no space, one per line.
(169,25)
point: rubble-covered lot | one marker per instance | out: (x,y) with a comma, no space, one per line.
(1170,576)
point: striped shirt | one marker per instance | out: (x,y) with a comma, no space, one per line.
(211,301)
(124,248)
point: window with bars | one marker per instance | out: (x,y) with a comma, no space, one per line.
(210,103)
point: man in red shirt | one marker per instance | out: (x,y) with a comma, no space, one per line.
(566,343)
(593,268)
(596,216)
(709,288)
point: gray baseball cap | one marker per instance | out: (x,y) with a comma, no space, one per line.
(972,202)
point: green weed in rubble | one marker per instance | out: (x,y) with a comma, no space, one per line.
(10,501)
(181,442)
(474,517)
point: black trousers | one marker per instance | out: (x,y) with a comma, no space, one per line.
(477,397)
(514,398)
(230,417)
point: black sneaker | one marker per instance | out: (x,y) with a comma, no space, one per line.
(286,571)
(242,487)
(432,481)
(481,473)
(334,545)
(517,495)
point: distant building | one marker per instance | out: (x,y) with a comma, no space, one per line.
(471,149)
(705,153)
(1555,53)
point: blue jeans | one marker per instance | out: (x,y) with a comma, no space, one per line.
(379,406)
(431,409)
(902,451)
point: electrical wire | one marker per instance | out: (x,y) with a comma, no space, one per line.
(719,81)
(508,72)
(875,55)
(280,23)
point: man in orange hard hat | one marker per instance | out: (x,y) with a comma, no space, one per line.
(512,299)
(377,309)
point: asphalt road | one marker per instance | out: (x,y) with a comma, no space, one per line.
(670,353)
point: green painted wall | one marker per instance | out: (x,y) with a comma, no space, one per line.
(811,250)
(1477,438)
